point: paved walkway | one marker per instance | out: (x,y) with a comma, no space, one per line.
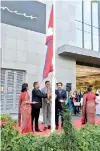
(77,124)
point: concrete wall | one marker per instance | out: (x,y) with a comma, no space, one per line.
(25,50)
(65,23)
(65,34)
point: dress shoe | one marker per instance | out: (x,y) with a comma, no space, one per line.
(45,128)
(49,127)
(38,130)
(56,127)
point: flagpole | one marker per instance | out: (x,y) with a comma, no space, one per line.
(53,76)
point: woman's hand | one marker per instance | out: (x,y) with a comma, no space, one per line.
(33,102)
(27,102)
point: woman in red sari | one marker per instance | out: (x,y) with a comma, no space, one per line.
(89,107)
(24,114)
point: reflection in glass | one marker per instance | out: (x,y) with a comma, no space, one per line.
(79,11)
(95,14)
(87,40)
(85,31)
(95,26)
(95,39)
(87,12)
(78,23)
(87,36)
(87,28)
(79,38)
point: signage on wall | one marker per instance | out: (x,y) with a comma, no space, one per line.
(17,13)
(24,14)
(9,89)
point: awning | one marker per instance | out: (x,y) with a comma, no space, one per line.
(80,54)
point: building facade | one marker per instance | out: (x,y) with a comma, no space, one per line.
(23,34)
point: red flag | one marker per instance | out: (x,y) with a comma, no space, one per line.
(48,67)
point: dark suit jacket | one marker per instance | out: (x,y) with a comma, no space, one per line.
(60,96)
(37,96)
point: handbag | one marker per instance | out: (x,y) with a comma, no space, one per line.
(76,103)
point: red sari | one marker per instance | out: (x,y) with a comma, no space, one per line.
(24,116)
(89,108)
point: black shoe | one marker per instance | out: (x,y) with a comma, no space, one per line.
(45,128)
(38,130)
(56,127)
(49,127)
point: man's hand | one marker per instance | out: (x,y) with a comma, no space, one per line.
(49,95)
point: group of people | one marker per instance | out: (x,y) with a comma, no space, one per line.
(29,109)
(75,101)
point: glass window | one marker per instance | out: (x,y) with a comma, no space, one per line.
(78,38)
(87,37)
(95,39)
(79,10)
(95,26)
(87,12)
(87,25)
(79,24)
(95,14)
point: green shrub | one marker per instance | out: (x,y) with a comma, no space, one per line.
(70,134)
(8,131)
(29,142)
(85,139)
(89,138)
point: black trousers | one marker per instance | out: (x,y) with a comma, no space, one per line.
(35,115)
(76,109)
(58,112)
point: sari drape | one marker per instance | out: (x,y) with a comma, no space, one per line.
(88,109)
(24,115)
(70,104)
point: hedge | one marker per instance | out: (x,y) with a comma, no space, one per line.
(89,138)
(85,139)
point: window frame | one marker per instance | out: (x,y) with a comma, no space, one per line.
(91,26)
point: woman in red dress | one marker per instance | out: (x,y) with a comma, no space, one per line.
(89,107)
(24,114)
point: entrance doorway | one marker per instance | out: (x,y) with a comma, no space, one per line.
(86,75)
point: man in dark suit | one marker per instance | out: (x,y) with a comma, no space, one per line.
(61,97)
(37,96)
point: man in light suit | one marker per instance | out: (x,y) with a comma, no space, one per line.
(47,106)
